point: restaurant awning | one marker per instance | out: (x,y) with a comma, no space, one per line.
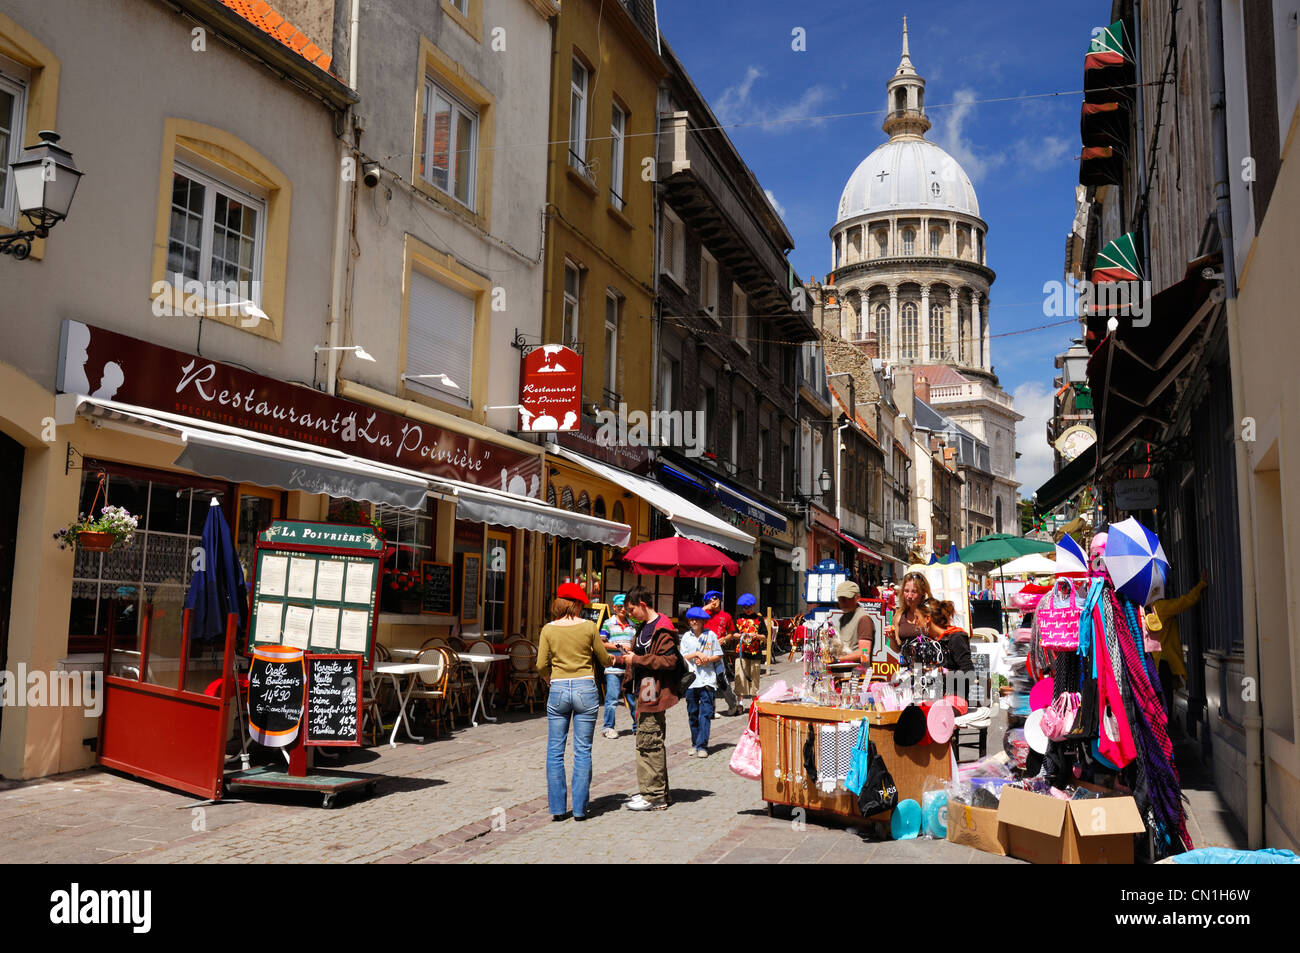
(1067,481)
(688,519)
(481,505)
(242,456)
(862,550)
(730,496)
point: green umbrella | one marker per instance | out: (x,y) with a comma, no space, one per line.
(1000,547)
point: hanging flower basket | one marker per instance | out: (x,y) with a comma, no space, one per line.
(113,526)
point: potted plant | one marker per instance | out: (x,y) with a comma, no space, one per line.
(114,526)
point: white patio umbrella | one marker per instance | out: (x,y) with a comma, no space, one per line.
(1034,564)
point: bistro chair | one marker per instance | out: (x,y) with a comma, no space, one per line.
(437,642)
(456,643)
(431,687)
(374,693)
(484,647)
(523,673)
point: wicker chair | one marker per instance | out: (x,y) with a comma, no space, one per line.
(437,642)
(432,686)
(376,692)
(523,673)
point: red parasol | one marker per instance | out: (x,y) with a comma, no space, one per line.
(679,556)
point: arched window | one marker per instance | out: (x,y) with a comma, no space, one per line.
(550,496)
(854,252)
(882,243)
(938,327)
(936,239)
(617,514)
(997,515)
(598,508)
(909,332)
(566,498)
(584,503)
(900,99)
(882,327)
(909,242)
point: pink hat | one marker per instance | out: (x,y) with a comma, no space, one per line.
(1040,696)
(939,722)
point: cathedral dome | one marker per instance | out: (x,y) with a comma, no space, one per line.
(907,173)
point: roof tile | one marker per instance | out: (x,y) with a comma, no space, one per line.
(270,21)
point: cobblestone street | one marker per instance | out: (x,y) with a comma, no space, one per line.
(478,796)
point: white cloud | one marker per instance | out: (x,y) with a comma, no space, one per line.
(1041,154)
(780,209)
(736,105)
(955,143)
(1034,400)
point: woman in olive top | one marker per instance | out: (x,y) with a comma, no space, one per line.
(565,655)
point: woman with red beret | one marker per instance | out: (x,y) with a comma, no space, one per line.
(566,654)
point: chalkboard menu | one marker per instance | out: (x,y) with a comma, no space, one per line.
(333,700)
(469,586)
(275,695)
(436,588)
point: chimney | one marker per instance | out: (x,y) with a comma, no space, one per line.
(921,388)
(869,345)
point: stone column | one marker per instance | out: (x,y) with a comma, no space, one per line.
(893,325)
(975,336)
(925,324)
(954,326)
(893,238)
(988,353)
(952,238)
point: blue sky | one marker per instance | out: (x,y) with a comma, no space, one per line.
(1021,155)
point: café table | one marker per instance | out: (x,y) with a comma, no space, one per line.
(396,671)
(480,665)
(411,654)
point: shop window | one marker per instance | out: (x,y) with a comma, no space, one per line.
(112,592)
(566,498)
(584,503)
(617,513)
(409,533)
(598,507)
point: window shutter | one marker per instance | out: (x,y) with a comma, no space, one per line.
(440,338)
(669,251)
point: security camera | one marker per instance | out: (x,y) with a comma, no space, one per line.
(370,174)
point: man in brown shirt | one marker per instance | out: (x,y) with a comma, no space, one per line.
(651,676)
(855,631)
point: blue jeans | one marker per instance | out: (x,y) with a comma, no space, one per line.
(613,691)
(574,698)
(699,709)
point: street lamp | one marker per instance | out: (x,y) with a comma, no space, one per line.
(1075,362)
(45,180)
(824,481)
(357,349)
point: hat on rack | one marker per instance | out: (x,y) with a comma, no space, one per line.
(571,590)
(746,600)
(910,727)
(711,595)
(939,722)
(848,589)
(620,599)
(695,612)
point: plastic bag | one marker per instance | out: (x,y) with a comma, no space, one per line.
(934,809)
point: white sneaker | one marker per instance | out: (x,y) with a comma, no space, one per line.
(640,803)
(701,753)
(610,733)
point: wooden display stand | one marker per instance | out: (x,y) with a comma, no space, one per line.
(910,766)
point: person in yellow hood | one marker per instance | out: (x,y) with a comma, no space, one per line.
(1162,623)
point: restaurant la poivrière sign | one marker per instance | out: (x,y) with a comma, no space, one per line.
(111,366)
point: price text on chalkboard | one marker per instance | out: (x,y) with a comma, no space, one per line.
(275,692)
(333,700)
(436,591)
(469,591)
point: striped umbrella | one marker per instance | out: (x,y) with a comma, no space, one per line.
(1070,558)
(1136,561)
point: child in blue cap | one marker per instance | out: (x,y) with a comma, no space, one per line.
(751,632)
(617,633)
(701,651)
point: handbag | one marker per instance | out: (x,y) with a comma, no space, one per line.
(747,759)
(1058,626)
(1058,719)
(879,792)
(859,760)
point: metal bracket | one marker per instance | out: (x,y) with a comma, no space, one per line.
(67,460)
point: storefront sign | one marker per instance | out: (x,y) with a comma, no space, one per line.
(110,366)
(901,529)
(1137,494)
(550,389)
(322,534)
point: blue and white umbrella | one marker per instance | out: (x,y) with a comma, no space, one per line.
(1136,562)
(1070,558)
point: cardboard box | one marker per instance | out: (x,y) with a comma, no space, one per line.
(1047,830)
(975,827)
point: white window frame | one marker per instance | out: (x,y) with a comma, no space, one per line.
(740,316)
(936,241)
(431,89)
(212,185)
(617,153)
(673,264)
(461,6)
(615,300)
(462,393)
(909,241)
(578,101)
(569,328)
(708,284)
(16,86)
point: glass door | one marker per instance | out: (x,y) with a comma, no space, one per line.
(496,586)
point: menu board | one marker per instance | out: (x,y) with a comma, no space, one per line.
(275,693)
(436,588)
(333,700)
(469,586)
(317,598)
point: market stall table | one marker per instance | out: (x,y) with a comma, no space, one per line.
(396,670)
(910,765)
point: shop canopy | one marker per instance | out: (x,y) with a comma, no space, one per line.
(862,550)
(1067,481)
(687,519)
(730,496)
(228,453)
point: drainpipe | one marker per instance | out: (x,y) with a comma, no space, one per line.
(1142,140)
(335,325)
(1254,723)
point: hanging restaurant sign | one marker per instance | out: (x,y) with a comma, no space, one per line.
(105,365)
(550,389)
